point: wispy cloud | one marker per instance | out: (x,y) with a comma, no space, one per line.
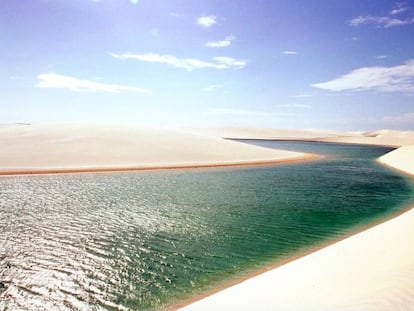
(302,95)
(207,21)
(387,21)
(251,113)
(380,21)
(176,15)
(16,77)
(155,32)
(290,52)
(57,81)
(304,106)
(401,121)
(382,79)
(403,118)
(240,112)
(397,11)
(213,87)
(224,62)
(381,56)
(222,43)
(219,62)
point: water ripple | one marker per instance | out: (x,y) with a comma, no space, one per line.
(141,240)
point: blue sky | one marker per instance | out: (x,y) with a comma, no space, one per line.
(345,64)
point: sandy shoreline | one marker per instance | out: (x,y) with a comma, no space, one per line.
(46,149)
(308,157)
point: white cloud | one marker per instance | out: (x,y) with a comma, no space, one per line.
(380,21)
(240,112)
(176,15)
(251,113)
(213,87)
(382,79)
(229,62)
(222,43)
(155,32)
(398,10)
(383,21)
(219,62)
(57,81)
(290,52)
(16,77)
(134,2)
(407,117)
(305,106)
(302,95)
(207,21)
(381,56)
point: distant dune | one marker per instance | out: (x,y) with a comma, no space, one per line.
(381,137)
(270,133)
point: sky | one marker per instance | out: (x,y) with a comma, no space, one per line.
(306,64)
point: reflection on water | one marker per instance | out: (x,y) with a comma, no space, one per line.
(141,240)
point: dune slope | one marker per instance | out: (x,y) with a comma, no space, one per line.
(53,148)
(401,159)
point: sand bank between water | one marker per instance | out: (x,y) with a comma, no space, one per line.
(37,149)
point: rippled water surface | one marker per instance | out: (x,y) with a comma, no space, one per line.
(143,240)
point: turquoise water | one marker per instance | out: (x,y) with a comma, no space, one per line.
(144,240)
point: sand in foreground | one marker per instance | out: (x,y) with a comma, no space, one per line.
(373,270)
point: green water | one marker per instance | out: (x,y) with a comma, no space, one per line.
(144,240)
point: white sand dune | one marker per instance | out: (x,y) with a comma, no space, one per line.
(401,159)
(63,148)
(271,133)
(381,137)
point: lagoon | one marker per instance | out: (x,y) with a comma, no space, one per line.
(145,240)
